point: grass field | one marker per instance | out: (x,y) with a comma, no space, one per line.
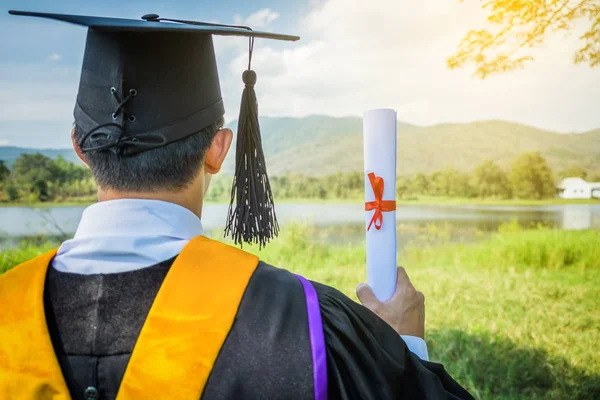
(513,317)
(516,316)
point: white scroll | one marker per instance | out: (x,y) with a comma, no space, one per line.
(379,133)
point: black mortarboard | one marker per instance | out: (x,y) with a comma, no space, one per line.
(147,83)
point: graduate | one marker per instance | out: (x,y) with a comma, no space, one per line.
(139,304)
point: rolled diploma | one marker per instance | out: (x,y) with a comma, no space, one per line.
(379,132)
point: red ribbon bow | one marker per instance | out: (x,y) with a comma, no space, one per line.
(379,205)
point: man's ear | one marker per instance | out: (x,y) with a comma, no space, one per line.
(215,155)
(76,147)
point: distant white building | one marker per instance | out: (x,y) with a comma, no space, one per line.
(577,188)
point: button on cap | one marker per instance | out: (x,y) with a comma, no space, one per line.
(150,17)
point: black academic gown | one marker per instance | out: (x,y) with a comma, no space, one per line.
(94,322)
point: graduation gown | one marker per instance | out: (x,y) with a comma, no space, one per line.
(268,351)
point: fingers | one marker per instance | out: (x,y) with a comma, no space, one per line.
(402,279)
(405,288)
(367,297)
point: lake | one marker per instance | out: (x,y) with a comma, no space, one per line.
(337,222)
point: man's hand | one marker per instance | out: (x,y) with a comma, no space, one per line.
(405,311)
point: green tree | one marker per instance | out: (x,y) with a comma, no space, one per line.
(491,181)
(30,168)
(48,179)
(12,192)
(69,172)
(4,172)
(450,182)
(518,25)
(459,184)
(402,186)
(437,184)
(574,171)
(40,189)
(419,184)
(531,178)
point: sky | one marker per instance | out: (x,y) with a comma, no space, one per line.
(354,55)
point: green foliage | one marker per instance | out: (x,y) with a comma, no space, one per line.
(450,182)
(338,186)
(420,184)
(518,25)
(4,172)
(511,226)
(491,181)
(402,186)
(30,168)
(12,192)
(531,178)
(36,178)
(574,171)
(40,189)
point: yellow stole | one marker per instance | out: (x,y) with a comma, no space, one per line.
(177,347)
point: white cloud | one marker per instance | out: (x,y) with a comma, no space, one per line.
(54,57)
(358,55)
(4,142)
(261,19)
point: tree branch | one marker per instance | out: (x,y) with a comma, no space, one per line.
(535,18)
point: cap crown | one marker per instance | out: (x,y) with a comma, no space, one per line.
(172,78)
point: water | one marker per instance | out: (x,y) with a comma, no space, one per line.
(336,222)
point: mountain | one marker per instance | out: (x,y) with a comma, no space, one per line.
(318,145)
(9,154)
(283,134)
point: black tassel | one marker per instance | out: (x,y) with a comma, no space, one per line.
(252,219)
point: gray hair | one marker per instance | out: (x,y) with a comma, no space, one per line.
(171,167)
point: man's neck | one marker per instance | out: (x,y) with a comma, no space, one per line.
(186,198)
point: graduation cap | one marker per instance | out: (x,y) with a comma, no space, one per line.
(150,82)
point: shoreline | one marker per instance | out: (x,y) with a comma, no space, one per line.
(425,201)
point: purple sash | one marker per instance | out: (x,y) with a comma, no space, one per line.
(317,339)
